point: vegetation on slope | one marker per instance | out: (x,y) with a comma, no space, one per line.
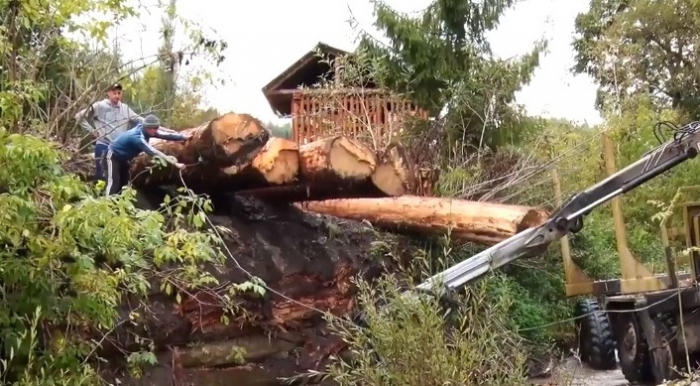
(70,256)
(488,149)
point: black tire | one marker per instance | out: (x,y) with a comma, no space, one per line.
(595,335)
(672,359)
(633,350)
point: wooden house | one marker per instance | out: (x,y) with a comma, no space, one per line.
(310,91)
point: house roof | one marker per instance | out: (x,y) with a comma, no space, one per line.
(306,71)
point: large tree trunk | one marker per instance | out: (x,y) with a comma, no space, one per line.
(395,175)
(339,167)
(231,139)
(276,164)
(336,159)
(479,222)
(334,167)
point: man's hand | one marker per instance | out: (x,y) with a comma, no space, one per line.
(179,165)
(187,136)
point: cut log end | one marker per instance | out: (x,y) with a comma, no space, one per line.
(239,134)
(386,179)
(278,161)
(395,175)
(350,160)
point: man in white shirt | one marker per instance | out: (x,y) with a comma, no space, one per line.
(105,120)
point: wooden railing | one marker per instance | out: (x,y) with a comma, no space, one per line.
(372,116)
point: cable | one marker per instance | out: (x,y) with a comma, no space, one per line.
(572,319)
(230,254)
(264,285)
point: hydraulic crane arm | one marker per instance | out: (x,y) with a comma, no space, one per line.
(569,218)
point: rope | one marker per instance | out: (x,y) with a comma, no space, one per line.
(309,307)
(230,254)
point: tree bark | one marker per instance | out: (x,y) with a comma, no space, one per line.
(231,139)
(479,222)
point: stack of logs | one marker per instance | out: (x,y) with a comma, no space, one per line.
(335,176)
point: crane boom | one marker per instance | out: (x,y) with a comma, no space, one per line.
(569,217)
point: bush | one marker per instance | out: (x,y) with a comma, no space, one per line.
(70,256)
(411,341)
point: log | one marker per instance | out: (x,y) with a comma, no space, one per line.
(334,167)
(231,139)
(395,175)
(239,351)
(277,163)
(336,159)
(478,222)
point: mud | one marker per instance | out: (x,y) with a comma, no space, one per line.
(573,373)
(310,259)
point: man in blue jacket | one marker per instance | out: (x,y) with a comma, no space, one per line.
(130,144)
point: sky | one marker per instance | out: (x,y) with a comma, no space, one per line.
(266,36)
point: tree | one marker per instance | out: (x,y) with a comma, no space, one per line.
(442,61)
(68,254)
(169,61)
(40,57)
(282,130)
(160,88)
(633,47)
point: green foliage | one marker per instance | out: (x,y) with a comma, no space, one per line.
(70,257)
(282,131)
(53,71)
(39,55)
(442,61)
(409,341)
(641,46)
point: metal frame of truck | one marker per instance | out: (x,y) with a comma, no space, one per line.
(638,314)
(644,309)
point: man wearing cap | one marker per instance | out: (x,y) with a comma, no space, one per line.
(130,144)
(105,120)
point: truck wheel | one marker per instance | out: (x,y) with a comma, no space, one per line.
(667,357)
(595,337)
(633,350)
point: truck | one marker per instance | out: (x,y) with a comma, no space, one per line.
(649,321)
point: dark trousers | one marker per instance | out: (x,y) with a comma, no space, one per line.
(117,173)
(100,152)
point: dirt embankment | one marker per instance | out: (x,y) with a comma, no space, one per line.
(308,258)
